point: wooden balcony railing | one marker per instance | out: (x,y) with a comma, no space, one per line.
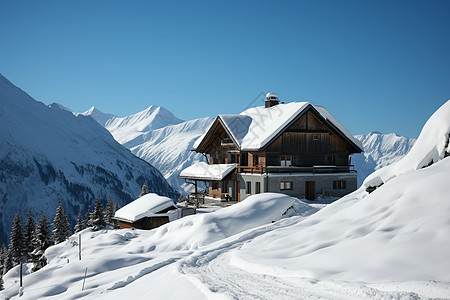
(218,194)
(296,169)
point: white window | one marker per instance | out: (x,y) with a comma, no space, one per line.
(286,160)
(286,185)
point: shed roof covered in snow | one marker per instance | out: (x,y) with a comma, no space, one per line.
(203,171)
(146,206)
(256,127)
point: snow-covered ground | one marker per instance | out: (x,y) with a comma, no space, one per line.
(269,246)
(116,258)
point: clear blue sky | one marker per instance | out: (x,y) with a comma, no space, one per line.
(375,65)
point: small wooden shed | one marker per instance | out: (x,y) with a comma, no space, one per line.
(147,212)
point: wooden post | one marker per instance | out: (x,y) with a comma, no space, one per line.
(196,194)
(238,191)
(20,274)
(79,246)
(84,280)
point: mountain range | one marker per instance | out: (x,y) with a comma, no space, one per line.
(48,154)
(158,137)
(380,150)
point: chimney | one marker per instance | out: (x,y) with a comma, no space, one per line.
(271,100)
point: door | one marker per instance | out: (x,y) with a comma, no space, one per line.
(309,190)
(238,191)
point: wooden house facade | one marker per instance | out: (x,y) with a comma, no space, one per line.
(297,148)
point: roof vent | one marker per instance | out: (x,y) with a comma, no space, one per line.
(271,100)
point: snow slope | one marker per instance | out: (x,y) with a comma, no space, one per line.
(48,154)
(117,258)
(380,150)
(397,233)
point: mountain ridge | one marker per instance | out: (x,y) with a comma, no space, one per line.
(161,139)
(380,150)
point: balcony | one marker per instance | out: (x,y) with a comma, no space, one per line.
(211,196)
(295,169)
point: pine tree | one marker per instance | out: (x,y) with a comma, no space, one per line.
(2,260)
(109,212)
(87,219)
(41,241)
(97,218)
(144,190)
(3,251)
(80,224)
(29,231)
(8,262)
(61,226)
(17,241)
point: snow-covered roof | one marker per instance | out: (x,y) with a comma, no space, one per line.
(203,171)
(255,127)
(145,206)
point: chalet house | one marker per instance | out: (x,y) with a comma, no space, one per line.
(297,148)
(147,212)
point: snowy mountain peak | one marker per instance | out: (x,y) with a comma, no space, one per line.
(98,115)
(128,128)
(157,136)
(92,110)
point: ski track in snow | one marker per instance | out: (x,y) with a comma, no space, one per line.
(214,270)
(142,272)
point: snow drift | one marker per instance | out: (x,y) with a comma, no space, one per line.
(192,232)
